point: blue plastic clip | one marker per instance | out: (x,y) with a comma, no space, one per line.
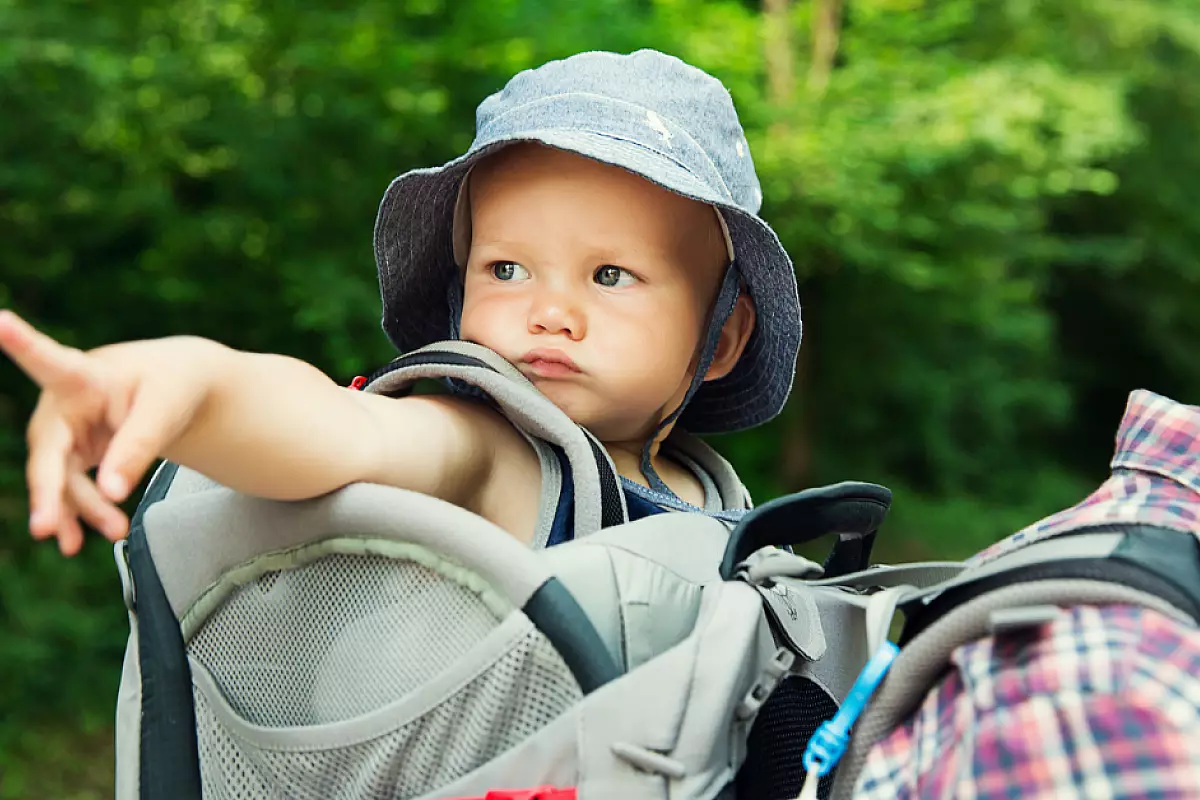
(828,744)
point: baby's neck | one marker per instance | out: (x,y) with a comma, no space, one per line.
(627,457)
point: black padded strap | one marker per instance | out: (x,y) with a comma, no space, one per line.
(852,509)
(849,554)
(612,505)
(168,761)
(1158,561)
(556,613)
(612,509)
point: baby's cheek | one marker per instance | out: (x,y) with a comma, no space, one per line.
(667,359)
(481,318)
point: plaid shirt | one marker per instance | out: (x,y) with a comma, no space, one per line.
(1101,703)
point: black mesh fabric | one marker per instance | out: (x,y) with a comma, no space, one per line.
(774,768)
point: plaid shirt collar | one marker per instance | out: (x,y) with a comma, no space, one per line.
(1160,436)
(1155,477)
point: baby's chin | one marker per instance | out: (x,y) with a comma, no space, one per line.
(577,398)
(573,400)
(598,419)
(570,398)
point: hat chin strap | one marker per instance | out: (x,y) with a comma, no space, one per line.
(721,311)
(454,299)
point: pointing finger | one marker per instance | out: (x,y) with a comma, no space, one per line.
(49,364)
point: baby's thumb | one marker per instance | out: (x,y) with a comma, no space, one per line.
(157,416)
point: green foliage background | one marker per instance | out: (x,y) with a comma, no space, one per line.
(992,206)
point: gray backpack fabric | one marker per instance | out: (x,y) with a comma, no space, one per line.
(378,643)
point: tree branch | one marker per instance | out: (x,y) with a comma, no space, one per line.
(781,78)
(826,27)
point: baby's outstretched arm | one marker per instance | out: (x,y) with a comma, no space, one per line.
(263,424)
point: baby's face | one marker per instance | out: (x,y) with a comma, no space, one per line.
(594,282)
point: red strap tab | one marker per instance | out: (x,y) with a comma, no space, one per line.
(358,383)
(540,793)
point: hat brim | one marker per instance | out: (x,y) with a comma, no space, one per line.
(414,253)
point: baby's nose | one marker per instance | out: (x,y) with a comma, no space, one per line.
(557,312)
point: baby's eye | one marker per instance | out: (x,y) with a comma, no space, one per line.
(612,277)
(508,271)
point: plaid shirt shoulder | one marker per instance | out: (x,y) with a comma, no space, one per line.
(1102,702)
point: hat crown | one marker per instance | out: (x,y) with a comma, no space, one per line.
(678,100)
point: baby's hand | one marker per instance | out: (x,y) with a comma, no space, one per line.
(118,407)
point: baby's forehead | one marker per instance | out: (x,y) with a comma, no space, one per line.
(525,166)
(537,192)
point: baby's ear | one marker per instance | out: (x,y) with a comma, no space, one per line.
(735,335)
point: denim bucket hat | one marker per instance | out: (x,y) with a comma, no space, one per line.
(648,113)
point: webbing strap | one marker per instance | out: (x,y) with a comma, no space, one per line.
(880,611)
(919,574)
(540,793)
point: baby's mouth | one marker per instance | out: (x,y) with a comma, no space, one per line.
(548,363)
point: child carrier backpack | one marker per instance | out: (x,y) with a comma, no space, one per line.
(379,643)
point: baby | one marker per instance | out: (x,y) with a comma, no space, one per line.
(601,235)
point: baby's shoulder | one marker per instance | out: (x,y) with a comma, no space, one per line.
(498,468)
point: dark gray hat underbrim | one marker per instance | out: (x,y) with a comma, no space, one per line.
(414,253)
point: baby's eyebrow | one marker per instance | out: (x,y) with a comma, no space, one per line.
(480,242)
(497,247)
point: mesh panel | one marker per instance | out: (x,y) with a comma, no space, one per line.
(520,694)
(336,638)
(774,769)
(341,637)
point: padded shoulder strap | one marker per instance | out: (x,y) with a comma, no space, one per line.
(599,502)
(1161,562)
(733,492)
